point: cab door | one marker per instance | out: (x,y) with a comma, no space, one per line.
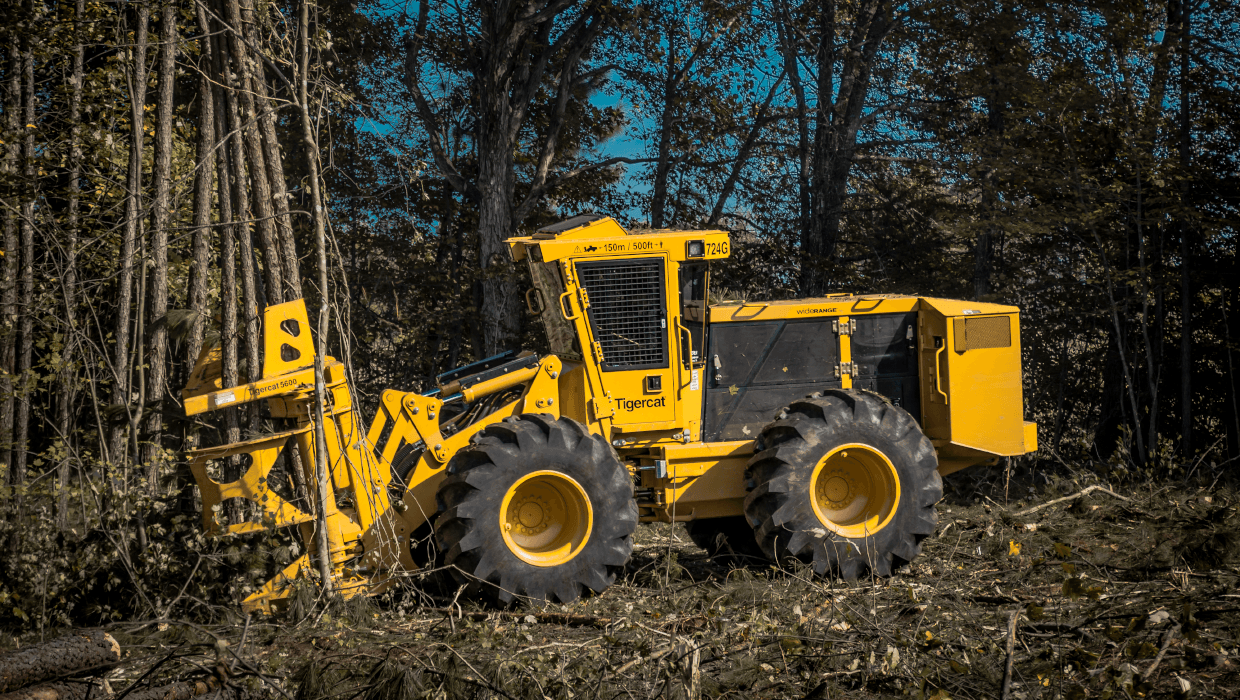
(630,333)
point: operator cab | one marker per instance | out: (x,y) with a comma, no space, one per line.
(629,311)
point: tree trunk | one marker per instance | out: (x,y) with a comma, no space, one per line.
(8,295)
(228,231)
(1186,248)
(320,245)
(836,127)
(273,276)
(199,272)
(275,168)
(663,156)
(133,212)
(64,407)
(241,210)
(25,352)
(789,47)
(157,293)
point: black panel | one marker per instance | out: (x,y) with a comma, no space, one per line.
(806,351)
(736,349)
(742,416)
(627,311)
(884,352)
(885,345)
(569,224)
(762,367)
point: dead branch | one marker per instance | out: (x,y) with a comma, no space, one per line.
(1166,643)
(1011,648)
(1078,494)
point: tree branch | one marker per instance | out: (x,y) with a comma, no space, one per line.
(548,150)
(413,44)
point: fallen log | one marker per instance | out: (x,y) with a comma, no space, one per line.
(56,691)
(78,654)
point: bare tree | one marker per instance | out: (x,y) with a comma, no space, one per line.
(136,76)
(68,378)
(518,43)
(204,174)
(846,48)
(25,350)
(157,289)
(264,212)
(8,295)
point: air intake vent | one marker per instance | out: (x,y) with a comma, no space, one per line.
(627,311)
(982,333)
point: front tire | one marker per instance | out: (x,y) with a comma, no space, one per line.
(845,481)
(537,507)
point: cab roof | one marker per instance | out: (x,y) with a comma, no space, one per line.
(595,235)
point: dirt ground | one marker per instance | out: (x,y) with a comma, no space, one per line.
(1114,594)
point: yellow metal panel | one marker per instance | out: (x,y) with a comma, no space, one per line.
(984,389)
(845,353)
(956,307)
(573,392)
(634,405)
(606,237)
(704,480)
(287,345)
(844,304)
(251,486)
(1031,437)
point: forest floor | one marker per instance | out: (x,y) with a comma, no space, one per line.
(1130,593)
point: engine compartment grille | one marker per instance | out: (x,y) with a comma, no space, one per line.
(626,311)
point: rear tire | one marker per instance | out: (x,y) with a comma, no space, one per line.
(844,481)
(536,507)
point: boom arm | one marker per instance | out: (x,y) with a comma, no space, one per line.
(369,520)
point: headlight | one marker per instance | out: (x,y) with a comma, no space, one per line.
(695,249)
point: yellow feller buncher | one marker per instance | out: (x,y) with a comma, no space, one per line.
(813,428)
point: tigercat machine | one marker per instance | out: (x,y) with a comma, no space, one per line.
(813,428)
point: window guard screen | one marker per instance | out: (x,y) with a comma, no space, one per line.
(627,311)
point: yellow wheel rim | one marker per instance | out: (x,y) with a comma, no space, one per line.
(546,518)
(855,490)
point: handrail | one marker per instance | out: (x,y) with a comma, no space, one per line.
(938,373)
(682,329)
(542,304)
(570,303)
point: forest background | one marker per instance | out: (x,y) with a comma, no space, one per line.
(168,168)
